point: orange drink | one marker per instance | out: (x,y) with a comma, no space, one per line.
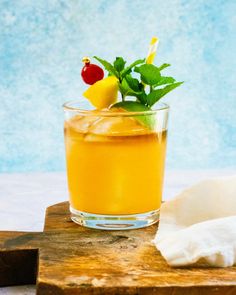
(115,167)
(115,153)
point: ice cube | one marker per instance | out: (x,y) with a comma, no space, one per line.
(81,124)
(117,126)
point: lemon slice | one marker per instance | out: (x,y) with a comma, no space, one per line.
(103,93)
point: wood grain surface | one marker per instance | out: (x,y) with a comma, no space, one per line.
(69,259)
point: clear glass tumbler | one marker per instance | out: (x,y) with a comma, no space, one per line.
(115,165)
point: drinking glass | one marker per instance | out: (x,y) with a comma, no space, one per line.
(115,165)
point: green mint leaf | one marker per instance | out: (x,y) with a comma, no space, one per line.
(163,66)
(119,64)
(142,97)
(126,90)
(128,69)
(137,87)
(165,80)
(108,66)
(150,74)
(132,82)
(148,120)
(157,94)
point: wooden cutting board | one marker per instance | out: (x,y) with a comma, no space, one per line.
(69,259)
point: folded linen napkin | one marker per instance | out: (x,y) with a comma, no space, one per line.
(200,223)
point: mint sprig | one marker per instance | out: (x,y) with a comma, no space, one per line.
(148,89)
(150,75)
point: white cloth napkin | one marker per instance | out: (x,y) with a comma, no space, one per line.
(200,223)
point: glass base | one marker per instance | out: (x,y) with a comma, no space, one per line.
(114,222)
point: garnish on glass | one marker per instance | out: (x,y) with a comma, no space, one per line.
(139,93)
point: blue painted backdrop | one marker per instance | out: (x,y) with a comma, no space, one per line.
(41,46)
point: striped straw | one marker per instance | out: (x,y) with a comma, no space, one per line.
(152,50)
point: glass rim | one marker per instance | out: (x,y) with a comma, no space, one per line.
(68,106)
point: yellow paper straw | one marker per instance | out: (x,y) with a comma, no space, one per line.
(152,50)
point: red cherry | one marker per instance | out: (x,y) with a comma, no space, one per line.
(91,73)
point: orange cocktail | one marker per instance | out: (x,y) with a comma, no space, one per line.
(115,152)
(115,165)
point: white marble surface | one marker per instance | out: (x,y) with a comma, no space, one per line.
(24,198)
